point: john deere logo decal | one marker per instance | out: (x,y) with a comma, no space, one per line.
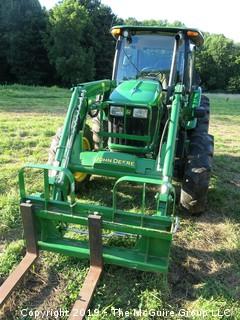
(120,162)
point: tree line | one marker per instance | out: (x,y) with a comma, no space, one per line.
(71,43)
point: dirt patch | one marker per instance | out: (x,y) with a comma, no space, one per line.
(41,290)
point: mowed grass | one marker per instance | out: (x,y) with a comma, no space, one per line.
(204,275)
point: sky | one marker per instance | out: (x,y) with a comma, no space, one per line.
(213,16)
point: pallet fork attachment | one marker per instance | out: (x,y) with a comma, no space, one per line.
(31,254)
(81,305)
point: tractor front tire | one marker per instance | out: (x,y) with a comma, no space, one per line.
(198,168)
(96,131)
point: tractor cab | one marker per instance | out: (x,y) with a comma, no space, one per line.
(147,55)
(149,62)
(149,51)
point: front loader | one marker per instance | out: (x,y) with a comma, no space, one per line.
(146,127)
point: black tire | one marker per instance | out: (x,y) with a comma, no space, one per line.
(198,168)
(89,135)
(95,132)
(53,150)
(203,123)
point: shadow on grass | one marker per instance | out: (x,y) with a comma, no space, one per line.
(205,261)
(223,196)
(196,273)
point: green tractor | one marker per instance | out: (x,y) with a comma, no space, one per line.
(149,127)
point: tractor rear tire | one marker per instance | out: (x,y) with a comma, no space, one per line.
(203,123)
(198,168)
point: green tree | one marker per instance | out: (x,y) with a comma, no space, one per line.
(215,61)
(131,21)
(234,80)
(79,42)
(151,22)
(23,24)
(5,72)
(102,42)
(70,31)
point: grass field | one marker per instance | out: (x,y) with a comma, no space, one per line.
(204,275)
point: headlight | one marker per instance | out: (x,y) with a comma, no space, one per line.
(140,113)
(116,111)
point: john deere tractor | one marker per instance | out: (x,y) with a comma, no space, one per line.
(146,127)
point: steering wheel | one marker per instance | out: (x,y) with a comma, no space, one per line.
(157,74)
(150,71)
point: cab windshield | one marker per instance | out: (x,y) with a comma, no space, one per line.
(145,54)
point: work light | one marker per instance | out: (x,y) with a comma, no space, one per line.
(140,113)
(116,111)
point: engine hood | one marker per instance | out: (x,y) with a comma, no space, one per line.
(137,92)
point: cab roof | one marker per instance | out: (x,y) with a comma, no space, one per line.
(193,34)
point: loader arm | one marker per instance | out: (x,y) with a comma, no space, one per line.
(84,97)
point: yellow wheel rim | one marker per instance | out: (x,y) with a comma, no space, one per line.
(86,144)
(80,176)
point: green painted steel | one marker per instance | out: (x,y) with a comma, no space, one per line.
(116,164)
(126,136)
(137,92)
(140,153)
(122,257)
(172,133)
(49,213)
(194,102)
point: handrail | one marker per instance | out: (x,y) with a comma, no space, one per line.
(141,180)
(46,168)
